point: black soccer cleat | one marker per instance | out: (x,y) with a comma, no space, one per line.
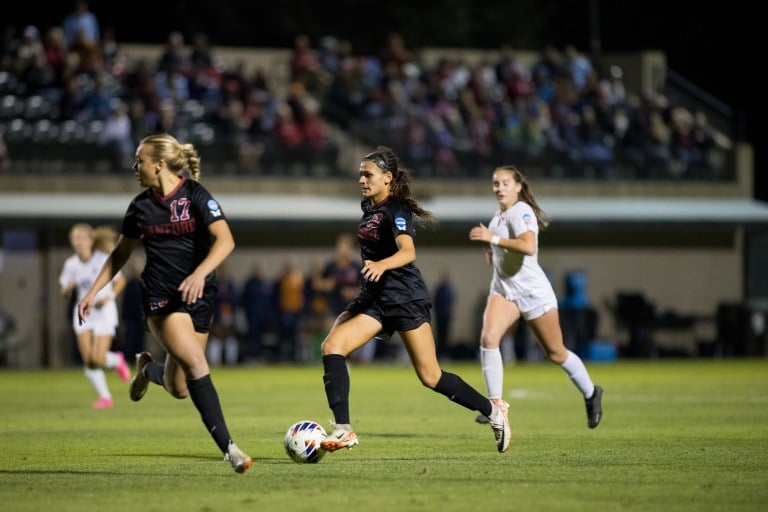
(594,407)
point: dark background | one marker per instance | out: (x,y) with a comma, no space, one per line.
(720,47)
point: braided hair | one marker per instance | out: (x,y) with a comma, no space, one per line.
(177,156)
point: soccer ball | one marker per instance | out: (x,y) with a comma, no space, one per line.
(302,442)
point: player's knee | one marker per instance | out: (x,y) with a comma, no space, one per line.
(489,340)
(429,379)
(174,390)
(557,356)
(328,347)
(179,393)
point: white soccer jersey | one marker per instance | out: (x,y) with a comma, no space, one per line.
(517,276)
(104,320)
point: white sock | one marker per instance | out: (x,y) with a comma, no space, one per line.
(111,360)
(493,371)
(98,381)
(578,373)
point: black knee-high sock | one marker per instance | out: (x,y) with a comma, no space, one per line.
(336,380)
(154,372)
(458,391)
(205,398)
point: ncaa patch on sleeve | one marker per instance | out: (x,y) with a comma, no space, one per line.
(214,208)
(400,223)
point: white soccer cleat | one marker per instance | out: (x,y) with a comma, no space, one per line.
(341,437)
(500,424)
(239,460)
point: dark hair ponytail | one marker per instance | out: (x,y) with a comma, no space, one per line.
(388,161)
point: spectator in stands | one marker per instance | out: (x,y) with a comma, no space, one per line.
(172,83)
(83,23)
(141,86)
(205,87)
(290,301)
(260,108)
(659,145)
(614,85)
(29,62)
(549,64)
(321,148)
(168,120)
(9,41)
(201,55)
(340,281)
(341,274)
(72,103)
(288,135)
(445,302)
(174,53)
(224,342)
(535,126)
(117,136)
(304,65)
(85,54)
(142,121)
(230,121)
(513,75)
(681,141)
(317,310)
(257,304)
(708,147)
(55,49)
(396,53)
(114,58)
(100,98)
(635,138)
(595,155)
(329,54)
(578,65)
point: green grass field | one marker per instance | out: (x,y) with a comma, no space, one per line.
(677,435)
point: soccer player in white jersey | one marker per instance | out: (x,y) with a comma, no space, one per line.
(519,287)
(94,337)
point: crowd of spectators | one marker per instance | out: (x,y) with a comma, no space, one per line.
(559,115)
(74,89)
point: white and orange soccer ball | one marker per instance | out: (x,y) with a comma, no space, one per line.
(302,442)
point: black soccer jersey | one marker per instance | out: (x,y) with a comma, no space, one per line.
(174,231)
(381,224)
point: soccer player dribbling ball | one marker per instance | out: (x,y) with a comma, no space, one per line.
(393,297)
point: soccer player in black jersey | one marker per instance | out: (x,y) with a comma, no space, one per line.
(393,298)
(185,236)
